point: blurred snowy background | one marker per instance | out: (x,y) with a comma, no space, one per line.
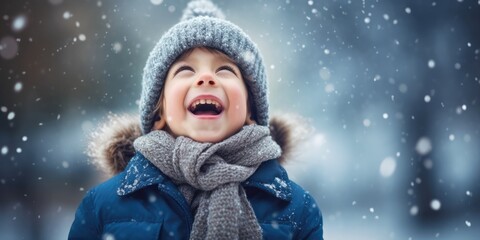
(391,87)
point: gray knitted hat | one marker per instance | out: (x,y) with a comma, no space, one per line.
(202,25)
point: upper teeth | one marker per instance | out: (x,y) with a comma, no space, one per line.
(206,101)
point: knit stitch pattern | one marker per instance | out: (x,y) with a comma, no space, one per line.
(209,177)
(203,27)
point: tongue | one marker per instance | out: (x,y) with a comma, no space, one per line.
(205,113)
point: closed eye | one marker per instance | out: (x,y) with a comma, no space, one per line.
(183,68)
(227,68)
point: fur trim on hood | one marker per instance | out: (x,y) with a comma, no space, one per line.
(111,145)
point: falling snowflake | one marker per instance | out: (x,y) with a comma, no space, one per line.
(67,15)
(387,167)
(424,146)
(427,98)
(435,204)
(108,236)
(414,210)
(468,223)
(366,122)
(116,47)
(156,2)
(4,150)
(19,23)
(65,164)
(18,87)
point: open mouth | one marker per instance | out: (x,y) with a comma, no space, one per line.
(205,107)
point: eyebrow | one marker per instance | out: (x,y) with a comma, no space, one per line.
(178,65)
(222,57)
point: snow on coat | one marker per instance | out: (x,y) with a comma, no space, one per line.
(140,202)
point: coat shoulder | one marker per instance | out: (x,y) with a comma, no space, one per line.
(107,189)
(297,217)
(309,220)
(103,196)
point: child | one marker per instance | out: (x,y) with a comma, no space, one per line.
(204,163)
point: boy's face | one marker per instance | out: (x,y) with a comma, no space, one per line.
(204,97)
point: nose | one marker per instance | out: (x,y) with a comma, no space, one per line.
(206,80)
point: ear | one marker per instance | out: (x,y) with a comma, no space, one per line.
(159,124)
(248,119)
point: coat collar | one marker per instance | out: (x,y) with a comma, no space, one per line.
(272,178)
(269,177)
(139,173)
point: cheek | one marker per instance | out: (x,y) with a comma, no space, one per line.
(173,105)
(237,96)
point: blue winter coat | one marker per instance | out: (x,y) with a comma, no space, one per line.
(143,203)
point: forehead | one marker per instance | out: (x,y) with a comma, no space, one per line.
(193,53)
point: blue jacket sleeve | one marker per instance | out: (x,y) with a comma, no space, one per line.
(312,222)
(85,225)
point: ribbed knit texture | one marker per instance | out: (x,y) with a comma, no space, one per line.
(202,26)
(209,176)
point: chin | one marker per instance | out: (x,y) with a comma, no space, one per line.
(208,139)
(212,135)
(208,136)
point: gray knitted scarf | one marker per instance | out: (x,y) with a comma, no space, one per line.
(209,176)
